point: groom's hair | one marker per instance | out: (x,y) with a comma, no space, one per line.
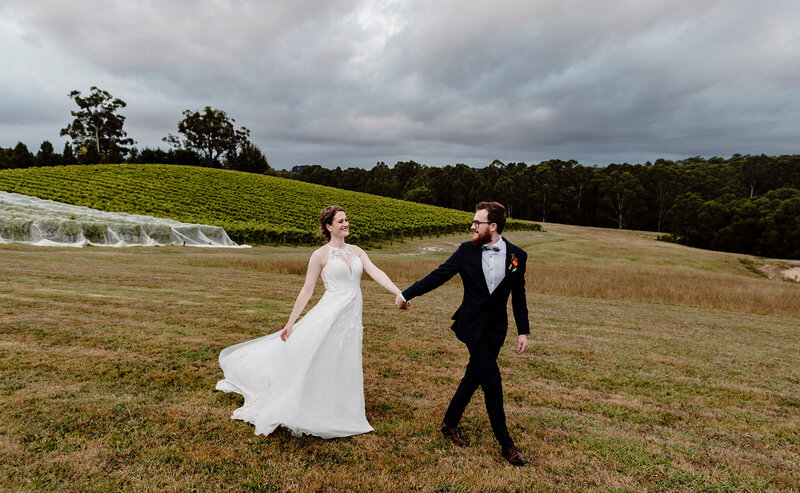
(326,218)
(496,213)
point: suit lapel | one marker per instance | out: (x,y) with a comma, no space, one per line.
(509,253)
(477,262)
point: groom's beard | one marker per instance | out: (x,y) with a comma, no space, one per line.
(481,239)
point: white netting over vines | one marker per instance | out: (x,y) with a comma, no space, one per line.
(36,221)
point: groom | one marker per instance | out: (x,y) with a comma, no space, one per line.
(491,268)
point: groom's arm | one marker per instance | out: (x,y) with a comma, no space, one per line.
(441,275)
(519,303)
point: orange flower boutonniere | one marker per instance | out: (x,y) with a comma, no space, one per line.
(514,263)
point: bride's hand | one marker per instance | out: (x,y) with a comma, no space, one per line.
(286,332)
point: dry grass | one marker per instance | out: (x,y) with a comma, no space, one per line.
(652,367)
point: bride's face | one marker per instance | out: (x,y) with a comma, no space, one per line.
(340,227)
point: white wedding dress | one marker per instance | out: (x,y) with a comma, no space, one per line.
(313,382)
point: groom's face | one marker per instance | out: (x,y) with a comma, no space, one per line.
(481,232)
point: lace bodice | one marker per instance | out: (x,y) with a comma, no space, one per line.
(343,269)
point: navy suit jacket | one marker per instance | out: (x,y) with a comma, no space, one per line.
(481,311)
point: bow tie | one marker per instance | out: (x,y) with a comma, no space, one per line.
(493,248)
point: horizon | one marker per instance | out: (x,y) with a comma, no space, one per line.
(288,168)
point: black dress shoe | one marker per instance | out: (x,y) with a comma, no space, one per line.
(454,435)
(514,456)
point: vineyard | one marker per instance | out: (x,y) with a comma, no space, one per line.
(252,208)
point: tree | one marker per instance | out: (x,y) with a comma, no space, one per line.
(420,194)
(683,217)
(463,187)
(505,188)
(782,235)
(5,158)
(68,157)
(21,157)
(97,127)
(664,180)
(89,155)
(248,158)
(625,193)
(544,186)
(404,172)
(210,134)
(159,156)
(582,203)
(46,155)
(744,228)
(754,171)
(379,181)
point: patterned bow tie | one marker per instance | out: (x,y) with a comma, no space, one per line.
(493,248)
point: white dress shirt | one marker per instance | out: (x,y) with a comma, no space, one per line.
(494,265)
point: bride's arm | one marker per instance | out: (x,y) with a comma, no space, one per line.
(375,273)
(315,264)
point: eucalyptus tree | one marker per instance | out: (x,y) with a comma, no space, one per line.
(210,134)
(98,125)
(625,194)
(545,188)
(664,181)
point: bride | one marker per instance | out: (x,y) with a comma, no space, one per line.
(308,376)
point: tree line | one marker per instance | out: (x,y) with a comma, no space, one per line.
(205,138)
(744,204)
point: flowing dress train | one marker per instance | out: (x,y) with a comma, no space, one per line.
(312,383)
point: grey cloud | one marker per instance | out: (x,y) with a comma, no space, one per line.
(354,82)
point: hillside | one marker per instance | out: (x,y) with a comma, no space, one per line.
(252,208)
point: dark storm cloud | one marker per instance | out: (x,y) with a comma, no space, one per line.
(354,82)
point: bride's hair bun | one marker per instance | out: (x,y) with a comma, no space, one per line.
(326,218)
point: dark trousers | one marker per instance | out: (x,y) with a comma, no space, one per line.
(482,370)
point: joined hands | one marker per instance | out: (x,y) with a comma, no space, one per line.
(400,303)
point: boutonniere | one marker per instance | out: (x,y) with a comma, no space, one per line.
(514,263)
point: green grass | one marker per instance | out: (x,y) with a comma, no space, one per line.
(252,208)
(108,360)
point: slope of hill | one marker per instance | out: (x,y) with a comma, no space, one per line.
(252,208)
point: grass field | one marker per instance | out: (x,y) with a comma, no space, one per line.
(652,366)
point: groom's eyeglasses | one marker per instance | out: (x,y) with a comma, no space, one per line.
(478,223)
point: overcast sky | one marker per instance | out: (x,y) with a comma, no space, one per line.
(350,83)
